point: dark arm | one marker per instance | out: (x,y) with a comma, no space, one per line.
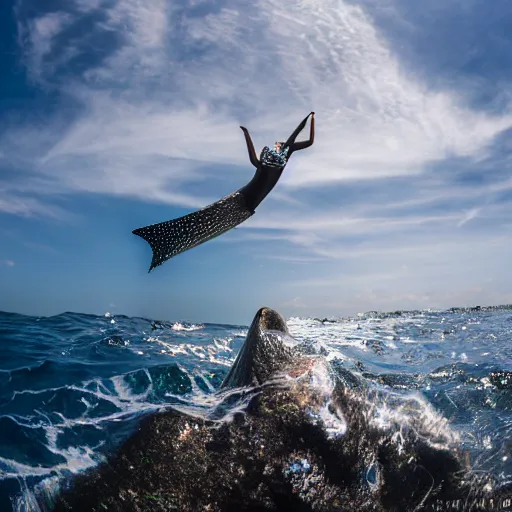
(250,148)
(297,146)
(307,143)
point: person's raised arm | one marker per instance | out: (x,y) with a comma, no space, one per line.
(297,146)
(250,148)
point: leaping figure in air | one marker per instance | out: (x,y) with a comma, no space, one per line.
(167,239)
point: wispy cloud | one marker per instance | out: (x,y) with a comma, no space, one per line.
(158,90)
(8,263)
(29,206)
(473,213)
(38,39)
(188,79)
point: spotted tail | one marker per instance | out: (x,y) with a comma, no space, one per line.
(167,239)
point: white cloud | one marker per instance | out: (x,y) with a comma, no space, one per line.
(28,206)
(37,39)
(159,115)
(8,263)
(144,23)
(374,119)
(142,28)
(332,223)
(86,6)
(275,62)
(414,273)
(472,214)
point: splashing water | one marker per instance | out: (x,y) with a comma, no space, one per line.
(74,386)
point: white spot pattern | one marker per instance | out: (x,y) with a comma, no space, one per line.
(167,239)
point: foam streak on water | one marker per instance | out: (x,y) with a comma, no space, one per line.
(73,386)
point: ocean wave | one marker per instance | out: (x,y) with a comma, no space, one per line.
(73,386)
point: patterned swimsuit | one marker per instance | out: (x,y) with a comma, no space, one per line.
(272,158)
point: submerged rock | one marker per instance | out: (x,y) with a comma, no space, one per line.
(307,439)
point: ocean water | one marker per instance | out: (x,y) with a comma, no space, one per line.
(73,386)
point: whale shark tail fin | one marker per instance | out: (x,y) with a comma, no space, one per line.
(168,239)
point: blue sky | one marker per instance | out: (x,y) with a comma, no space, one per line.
(117,114)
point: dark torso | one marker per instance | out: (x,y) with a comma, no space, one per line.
(268,172)
(263,181)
